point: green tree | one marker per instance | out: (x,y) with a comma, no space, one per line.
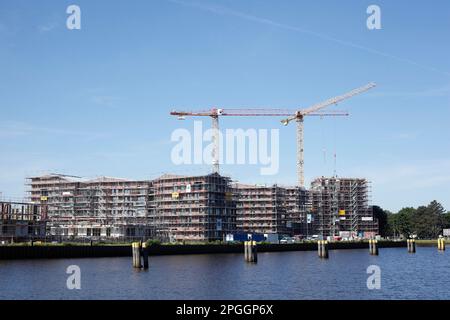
(427,222)
(446,220)
(403,221)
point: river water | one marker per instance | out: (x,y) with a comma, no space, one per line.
(285,275)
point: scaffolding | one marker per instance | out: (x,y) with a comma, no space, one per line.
(261,209)
(201,208)
(271,209)
(193,208)
(20,220)
(100,207)
(341,207)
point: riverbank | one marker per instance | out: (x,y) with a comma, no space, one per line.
(100,251)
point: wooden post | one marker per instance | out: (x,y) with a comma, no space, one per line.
(133,251)
(322,249)
(373,247)
(136,255)
(319,248)
(250,251)
(411,245)
(441,244)
(325,250)
(145,255)
(254,255)
(246,250)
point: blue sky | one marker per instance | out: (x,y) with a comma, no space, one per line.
(95,101)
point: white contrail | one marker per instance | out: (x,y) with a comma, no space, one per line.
(226,11)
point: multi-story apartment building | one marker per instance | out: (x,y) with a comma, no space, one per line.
(200,208)
(340,207)
(194,208)
(298,208)
(20,220)
(261,209)
(102,207)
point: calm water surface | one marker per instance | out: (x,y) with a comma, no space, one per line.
(287,275)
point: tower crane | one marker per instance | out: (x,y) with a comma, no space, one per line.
(215,113)
(312,110)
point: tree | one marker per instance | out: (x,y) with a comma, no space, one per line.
(427,222)
(446,220)
(404,223)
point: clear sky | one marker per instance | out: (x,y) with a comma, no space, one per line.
(96,101)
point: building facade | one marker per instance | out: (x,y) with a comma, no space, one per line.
(261,209)
(21,220)
(194,208)
(340,207)
(200,208)
(102,207)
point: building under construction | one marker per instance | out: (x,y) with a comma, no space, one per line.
(200,208)
(271,209)
(261,209)
(21,220)
(102,207)
(298,207)
(340,207)
(193,208)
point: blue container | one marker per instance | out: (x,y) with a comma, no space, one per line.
(242,236)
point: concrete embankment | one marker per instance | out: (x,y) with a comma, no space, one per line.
(61,252)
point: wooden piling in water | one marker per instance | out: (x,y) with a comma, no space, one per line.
(325,250)
(411,244)
(322,249)
(250,251)
(254,252)
(245,251)
(441,244)
(319,248)
(136,255)
(145,255)
(373,247)
(133,251)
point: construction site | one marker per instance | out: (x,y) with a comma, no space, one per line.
(207,207)
(340,207)
(175,208)
(21,221)
(102,207)
(195,208)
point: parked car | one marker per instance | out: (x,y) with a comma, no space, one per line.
(287,240)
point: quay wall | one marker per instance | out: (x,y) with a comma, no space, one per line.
(98,251)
